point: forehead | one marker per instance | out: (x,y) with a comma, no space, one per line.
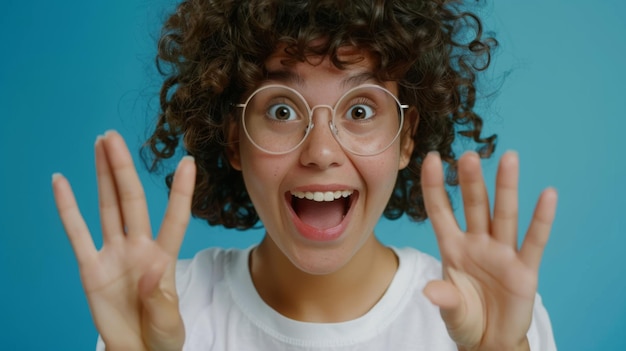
(358,67)
(282,56)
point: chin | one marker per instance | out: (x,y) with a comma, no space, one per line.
(320,260)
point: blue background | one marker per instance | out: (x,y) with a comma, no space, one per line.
(71,70)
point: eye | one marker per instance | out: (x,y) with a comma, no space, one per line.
(360,112)
(282,112)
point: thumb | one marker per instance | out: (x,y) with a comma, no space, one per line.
(443,294)
(162,325)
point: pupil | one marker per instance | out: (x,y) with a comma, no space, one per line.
(358,113)
(283,113)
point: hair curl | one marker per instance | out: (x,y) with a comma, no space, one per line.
(212,52)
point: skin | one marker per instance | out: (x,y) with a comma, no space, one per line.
(486,295)
(129,282)
(288,269)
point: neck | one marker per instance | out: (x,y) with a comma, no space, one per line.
(342,295)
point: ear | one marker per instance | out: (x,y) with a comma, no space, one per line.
(232,146)
(407,144)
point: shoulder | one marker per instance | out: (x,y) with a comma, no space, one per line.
(415,270)
(540,335)
(204,287)
(197,277)
(422,265)
(210,259)
(208,265)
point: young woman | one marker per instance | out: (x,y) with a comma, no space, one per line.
(316,118)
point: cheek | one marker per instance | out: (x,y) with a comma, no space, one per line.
(381,173)
(389,164)
(262,173)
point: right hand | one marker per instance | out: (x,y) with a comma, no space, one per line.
(129,283)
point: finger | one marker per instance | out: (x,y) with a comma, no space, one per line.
(505,212)
(460,305)
(436,199)
(539,230)
(72,220)
(110,217)
(178,208)
(446,294)
(475,198)
(129,189)
(443,294)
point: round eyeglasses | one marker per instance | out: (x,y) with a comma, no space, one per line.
(365,121)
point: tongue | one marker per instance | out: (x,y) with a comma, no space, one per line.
(321,215)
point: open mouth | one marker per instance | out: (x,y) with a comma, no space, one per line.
(322,209)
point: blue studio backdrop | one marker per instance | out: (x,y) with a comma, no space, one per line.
(72,70)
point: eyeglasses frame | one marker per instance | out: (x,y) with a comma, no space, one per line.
(310,111)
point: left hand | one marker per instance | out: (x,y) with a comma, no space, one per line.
(488,289)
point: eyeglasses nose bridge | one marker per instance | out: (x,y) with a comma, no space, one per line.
(312,110)
(331,123)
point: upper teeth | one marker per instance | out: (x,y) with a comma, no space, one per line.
(321,195)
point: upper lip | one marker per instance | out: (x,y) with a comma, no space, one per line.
(322,188)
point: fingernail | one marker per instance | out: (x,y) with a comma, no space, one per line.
(433,152)
(109,132)
(189,157)
(98,138)
(55,176)
(510,157)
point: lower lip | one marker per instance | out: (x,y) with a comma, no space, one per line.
(321,235)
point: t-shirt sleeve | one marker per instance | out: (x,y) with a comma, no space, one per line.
(540,336)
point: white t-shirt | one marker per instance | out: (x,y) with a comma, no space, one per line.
(222,311)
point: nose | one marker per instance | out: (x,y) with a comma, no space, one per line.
(321,149)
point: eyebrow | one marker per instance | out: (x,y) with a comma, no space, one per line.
(348,82)
(359,79)
(285,76)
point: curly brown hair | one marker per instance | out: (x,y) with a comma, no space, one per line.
(212,52)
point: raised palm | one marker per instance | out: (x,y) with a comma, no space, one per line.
(488,289)
(129,283)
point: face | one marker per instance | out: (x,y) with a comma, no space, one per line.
(320,203)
